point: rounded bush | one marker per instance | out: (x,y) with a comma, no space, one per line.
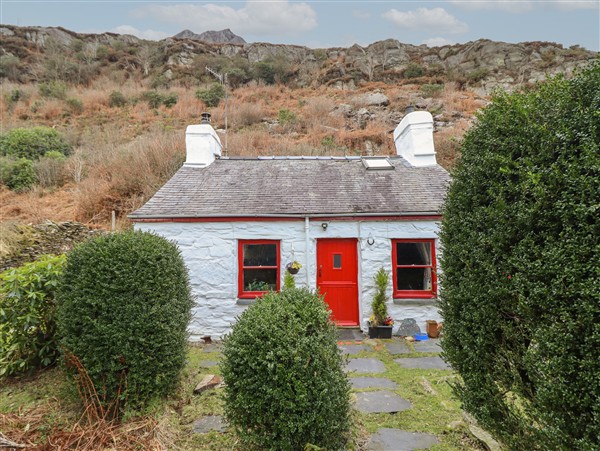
(521,265)
(285,387)
(17,174)
(32,143)
(124,307)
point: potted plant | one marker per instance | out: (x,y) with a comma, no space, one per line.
(293,267)
(380,324)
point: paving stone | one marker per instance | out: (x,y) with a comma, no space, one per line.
(398,347)
(212,348)
(349,334)
(372,382)
(387,439)
(208,363)
(382,401)
(209,423)
(354,349)
(430,345)
(209,381)
(425,363)
(365,366)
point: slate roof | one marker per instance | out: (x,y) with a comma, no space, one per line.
(297,187)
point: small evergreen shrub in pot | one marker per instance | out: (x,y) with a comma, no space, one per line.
(124,308)
(285,386)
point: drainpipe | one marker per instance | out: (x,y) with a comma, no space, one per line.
(307,249)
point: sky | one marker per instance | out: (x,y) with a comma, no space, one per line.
(328,23)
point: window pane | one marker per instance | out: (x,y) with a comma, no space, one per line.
(260,279)
(413,253)
(337,261)
(413,279)
(260,255)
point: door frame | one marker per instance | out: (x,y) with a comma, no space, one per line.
(357,274)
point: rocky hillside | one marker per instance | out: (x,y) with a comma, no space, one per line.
(36,53)
(218,37)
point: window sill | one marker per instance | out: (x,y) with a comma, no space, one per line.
(415,301)
(245,301)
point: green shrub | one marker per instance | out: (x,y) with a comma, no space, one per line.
(116,99)
(287,117)
(432,90)
(74,105)
(170,100)
(17,174)
(413,70)
(288,281)
(285,386)
(124,306)
(53,89)
(156,99)
(521,265)
(478,75)
(32,143)
(211,96)
(378,305)
(28,315)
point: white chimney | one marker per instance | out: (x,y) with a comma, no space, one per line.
(202,144)
(414,139)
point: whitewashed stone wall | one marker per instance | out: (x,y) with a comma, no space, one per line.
(210,253)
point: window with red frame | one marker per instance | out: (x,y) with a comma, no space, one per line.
(413,265)
(258,262)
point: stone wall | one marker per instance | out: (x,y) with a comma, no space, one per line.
(210,252)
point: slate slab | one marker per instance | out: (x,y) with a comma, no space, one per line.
(212,348)
(425,363)
(209,423)
(430,345)
(208,363)
(408,327)
(382,401)
(398,347)
(209,381)
(350,334)
(353,349)
(372,382)
(365,365)
(388,439)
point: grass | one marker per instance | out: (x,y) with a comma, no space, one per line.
(44,405)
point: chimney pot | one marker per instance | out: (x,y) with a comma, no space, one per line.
(205,118)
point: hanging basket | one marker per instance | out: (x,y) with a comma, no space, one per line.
(290,267)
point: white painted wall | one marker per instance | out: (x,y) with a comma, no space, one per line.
(210,253)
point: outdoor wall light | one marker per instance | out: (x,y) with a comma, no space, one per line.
(370,240)
(324,225)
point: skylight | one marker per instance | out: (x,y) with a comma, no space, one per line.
(377,163)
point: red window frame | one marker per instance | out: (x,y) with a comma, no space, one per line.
(414,294)
(253,294)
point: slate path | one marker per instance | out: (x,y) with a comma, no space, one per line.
(398,347)
(381,401)
(208,363)
(386,439)
(372,382)
(209,423)
(425,363)
(354,349)
(350,334)
(366,366)
(427,346)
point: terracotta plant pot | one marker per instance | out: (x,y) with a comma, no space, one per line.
(433,328)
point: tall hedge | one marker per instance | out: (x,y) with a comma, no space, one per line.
(124,307)
(285,387)
(33,143)
(521,266)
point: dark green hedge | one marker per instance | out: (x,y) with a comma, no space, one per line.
(33,143)
(521,263)
(124,307)
(285,387)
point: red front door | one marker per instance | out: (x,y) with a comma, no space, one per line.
(337,278)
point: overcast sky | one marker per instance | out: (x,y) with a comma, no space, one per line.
(326,23)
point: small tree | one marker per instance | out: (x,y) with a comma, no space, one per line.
(124,307)
(211,96)
(285,386)
(521,264)
(379,303)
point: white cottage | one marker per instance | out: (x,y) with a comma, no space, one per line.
(240,221)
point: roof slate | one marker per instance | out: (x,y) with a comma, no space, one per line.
(266,187)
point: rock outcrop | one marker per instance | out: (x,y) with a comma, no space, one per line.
(216,37)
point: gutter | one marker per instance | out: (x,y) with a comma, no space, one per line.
(143,217)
